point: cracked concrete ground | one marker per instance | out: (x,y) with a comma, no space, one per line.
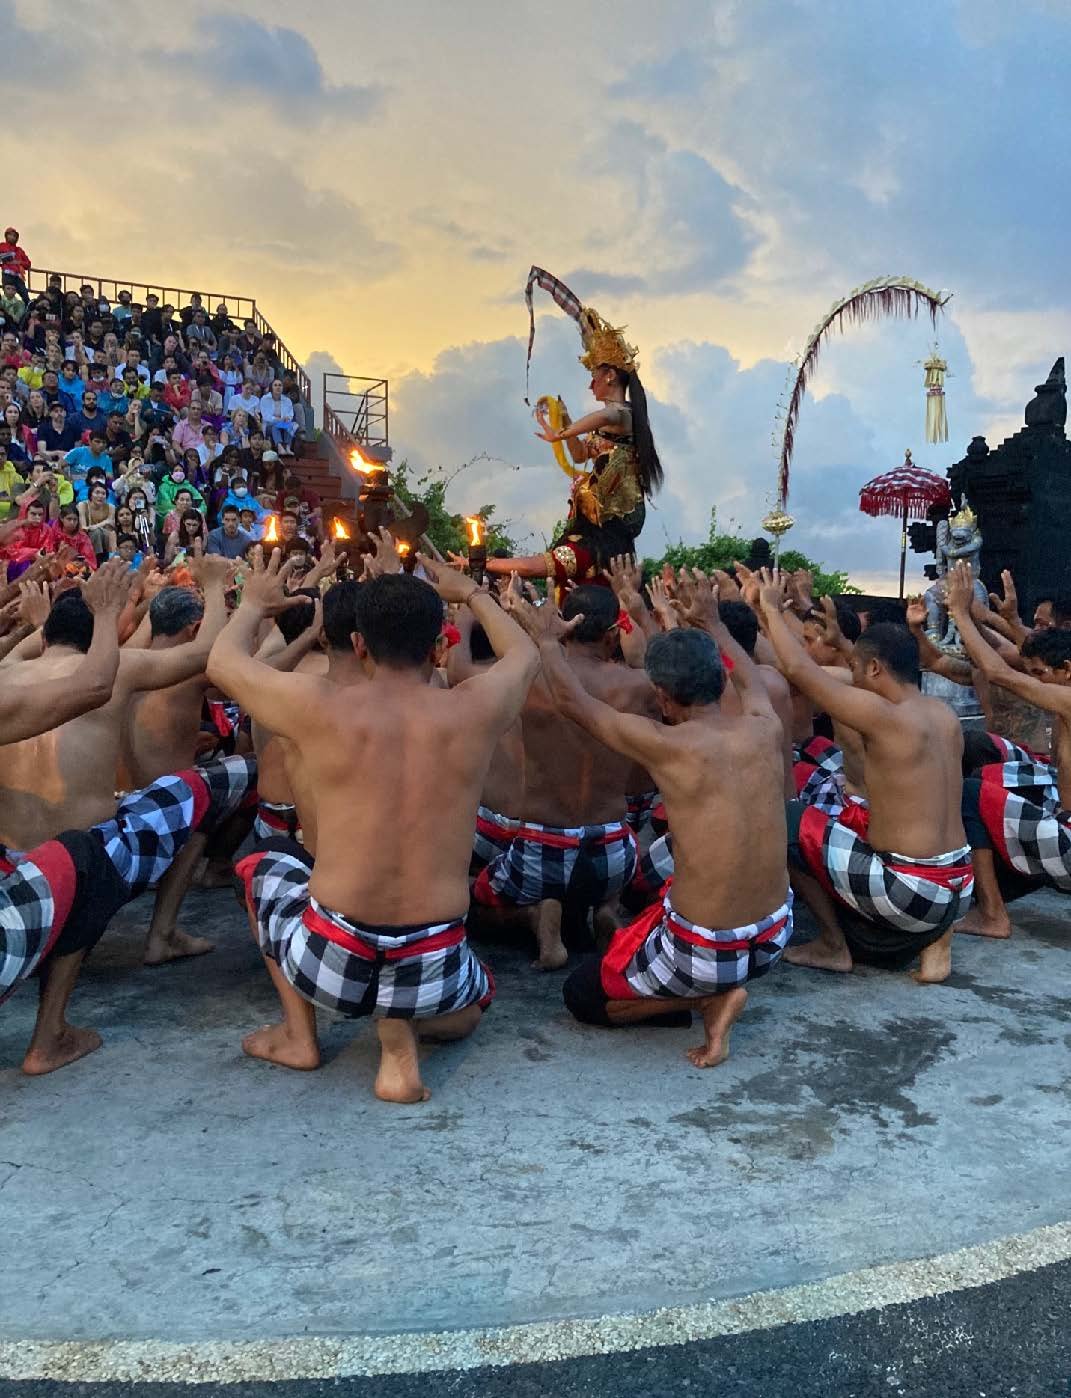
(168,1187)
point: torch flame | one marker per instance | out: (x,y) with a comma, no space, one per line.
(340,531)
(475,524)
(402,547)
(271,534)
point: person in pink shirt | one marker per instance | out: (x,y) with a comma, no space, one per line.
(189,433)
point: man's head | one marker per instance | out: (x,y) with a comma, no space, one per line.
(35,513)
(126,546)
(294,620)
(399,618)
(820,651)
(885,655)
(176,612)
(1047,655)
(299,555)
(11,235)
(340,614)
(741,623)
(598,606)
(685,668)
(229,517)
(69,623)
(1061,612)
(58,414)
(69,371)
(288,526)
(96,442)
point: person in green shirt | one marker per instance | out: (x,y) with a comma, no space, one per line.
(169,487)
(11,486)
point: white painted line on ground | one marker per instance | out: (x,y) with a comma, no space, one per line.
(222,1361)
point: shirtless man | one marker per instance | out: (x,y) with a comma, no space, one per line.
(377,927)
(498,814)
(65,779)
(730,873)
(905,903)
(1016,816)
(574,839)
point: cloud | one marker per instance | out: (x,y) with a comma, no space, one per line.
(278,65)
(319,363)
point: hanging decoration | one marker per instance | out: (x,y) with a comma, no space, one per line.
(874,300)
(906,492)
(936,413)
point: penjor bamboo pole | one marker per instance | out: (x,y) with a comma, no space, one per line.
(903,550)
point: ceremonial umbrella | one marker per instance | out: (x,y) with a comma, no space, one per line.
(909,490)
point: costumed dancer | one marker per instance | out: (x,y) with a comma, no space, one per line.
(607,503)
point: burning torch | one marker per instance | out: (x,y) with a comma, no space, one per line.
(271,533)
(477,548)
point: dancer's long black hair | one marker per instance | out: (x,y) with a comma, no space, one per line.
(650,468)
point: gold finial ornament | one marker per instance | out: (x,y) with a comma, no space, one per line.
(605,344)
(778,522)
(964,519)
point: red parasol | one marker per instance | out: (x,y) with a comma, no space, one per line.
(909,490)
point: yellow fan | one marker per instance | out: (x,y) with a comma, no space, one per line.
(554,409)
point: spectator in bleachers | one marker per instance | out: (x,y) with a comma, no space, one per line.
(14,262)
(261,370)
(188,312)
(68,530)
(248,400)
(178,390)
(21,540)
(169,488)
(121,311)
(200,335)
(72,387)
(57,436)
(229,539)
(13,306)
(118,439)
(188,537)
(237,430)
(12,485)
(80,459)
(277,415)
(188,432)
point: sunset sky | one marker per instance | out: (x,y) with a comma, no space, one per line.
(714,175)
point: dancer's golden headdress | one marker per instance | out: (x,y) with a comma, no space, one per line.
(605,343)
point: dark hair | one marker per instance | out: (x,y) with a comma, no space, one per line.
(230,510)
(650,468)
(294,620)
(1061,610)
(850,624)
(599,608)
(896,648)
(298,545)
(400,617)
(1052,647)
(741,623)
(887,613)
(187,516)
(340,613)
(126,539)
(66,511)
(173,609)
(687,665)
(69,623)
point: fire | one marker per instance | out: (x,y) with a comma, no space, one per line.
(340,531)
(271,534)
(475,524)
(402,547)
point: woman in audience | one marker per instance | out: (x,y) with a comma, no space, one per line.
(97,517)
(68,531)
(188,538)
(144,529)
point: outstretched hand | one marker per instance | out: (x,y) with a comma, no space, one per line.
(543,623)
(697,599)
(662,604)
(451,585)
(626,580)
(264,588)
(1008,605)
(771,590)
(108,588)
(960,583)
(917,616)
(210,570)
(34,604)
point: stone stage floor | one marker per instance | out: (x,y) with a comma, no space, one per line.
(169,1188)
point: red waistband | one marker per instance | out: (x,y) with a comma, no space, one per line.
(946,875)
(323,926)
(276,820)
(685,934)
(558,840)
(492,827)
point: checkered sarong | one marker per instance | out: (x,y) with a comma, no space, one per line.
(902,892)
(654,868)
(492,836)
(35,899)
(640,805)
(591,862)
(275,818)
(356,970)
(151,826)
(663,954)
(1020,808)
(819,775)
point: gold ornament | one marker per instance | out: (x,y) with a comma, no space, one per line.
(605,344)
(965,519)
(778,522)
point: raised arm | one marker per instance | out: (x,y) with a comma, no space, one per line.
(701,610)
(930,657)
(159,669)
(996,669)
(591,422)
(278,699)
(29,709)
(868,713)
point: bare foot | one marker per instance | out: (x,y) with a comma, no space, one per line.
(820,956)
(398,1079)
(67,1046)
(981,924)
(719,1013)
(548,931)
(162,947)
(604,925)
(275,1044)
(935,963)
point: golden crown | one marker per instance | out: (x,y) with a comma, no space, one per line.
(965,519)
(605,343)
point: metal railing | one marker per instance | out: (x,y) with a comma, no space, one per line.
(240,308)
(355,410)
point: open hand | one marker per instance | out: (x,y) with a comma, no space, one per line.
(265,587)
(34,604)
(960,584)
(626,578)
(771,590)
(543,623)
(697,601)
(211,570)
(662,604)
(387,559)
(1008,605)
(451,585)
(917,615)
(108,588)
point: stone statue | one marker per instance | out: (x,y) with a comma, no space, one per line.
(1048,407)
(957,538)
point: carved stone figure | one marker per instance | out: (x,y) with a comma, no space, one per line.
(957,538)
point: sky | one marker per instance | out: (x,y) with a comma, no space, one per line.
(712,175)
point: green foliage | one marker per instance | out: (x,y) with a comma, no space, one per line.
(446,530)
(721,550)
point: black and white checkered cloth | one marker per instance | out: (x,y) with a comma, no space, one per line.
(663,954)
(893,890)
(492,836)
(356,970)
(30,918)
(1020,807)
(640,805)
(591,863)
(819,775)
(151,826)
(655,866)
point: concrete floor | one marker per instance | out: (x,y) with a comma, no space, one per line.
(169,1187)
